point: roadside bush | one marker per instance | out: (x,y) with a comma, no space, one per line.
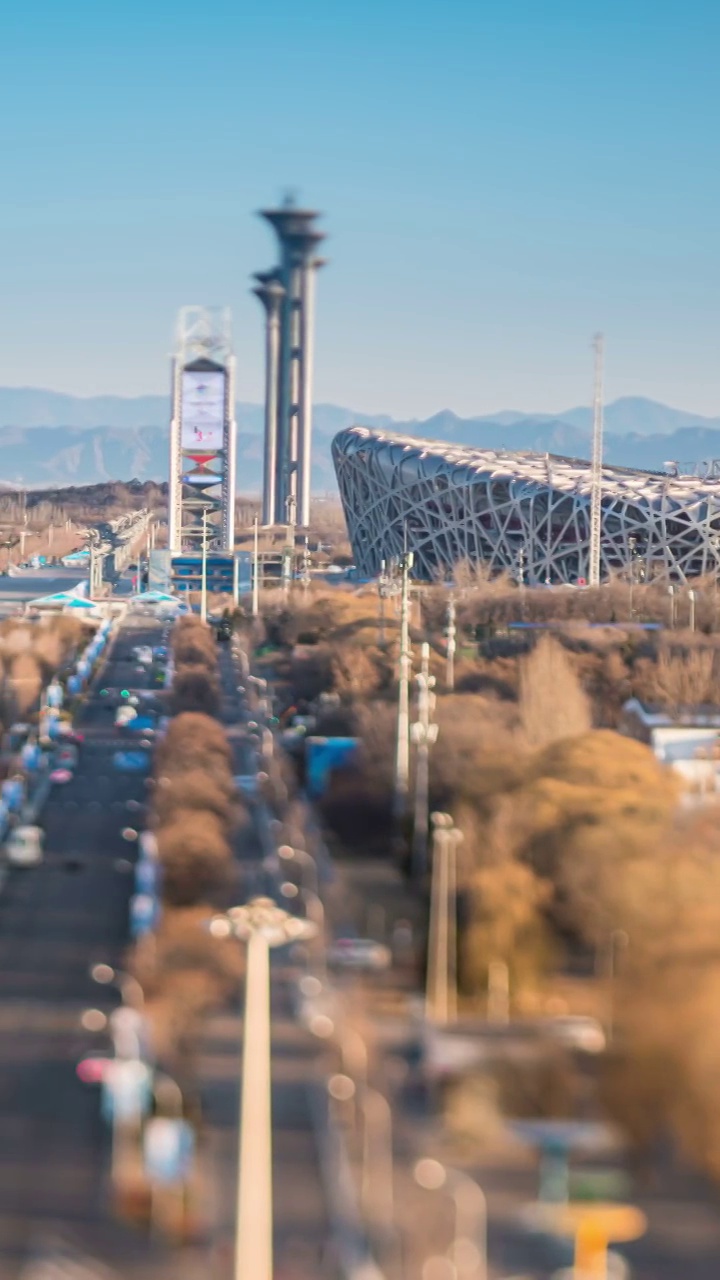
(196,792)
(194,857)
(194,741)
(195,688)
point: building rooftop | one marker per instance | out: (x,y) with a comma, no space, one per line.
(570,475)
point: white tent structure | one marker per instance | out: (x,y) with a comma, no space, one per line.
(64,602)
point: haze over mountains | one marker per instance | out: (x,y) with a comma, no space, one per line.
(48,437)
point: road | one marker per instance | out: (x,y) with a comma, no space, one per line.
(55,921)
(300,1220)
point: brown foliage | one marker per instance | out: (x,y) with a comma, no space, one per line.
(26,682)
(194,791)
(194,856)
(195,688)
(679,678)
(194,741)
(553,704)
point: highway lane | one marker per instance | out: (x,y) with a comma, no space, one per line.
(301,1227)
(55,920)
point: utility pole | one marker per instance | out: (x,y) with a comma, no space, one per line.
(596,468)
(203,580)
(306,569)
(451,633)
(424,734)
(255,571)
(382,588)
(441,986)
(402,751)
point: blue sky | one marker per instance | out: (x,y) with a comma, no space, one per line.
(499,178)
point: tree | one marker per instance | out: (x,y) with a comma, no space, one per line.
(553,704)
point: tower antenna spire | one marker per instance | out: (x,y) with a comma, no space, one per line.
(596,467)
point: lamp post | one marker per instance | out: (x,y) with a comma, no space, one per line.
(128,986)
(261,924)
(441,984)
(290,853)
(402,747)
(632,546)
(424,734)
(315,913)
(671,593)
(692,596)
(451,633)
(468,1251)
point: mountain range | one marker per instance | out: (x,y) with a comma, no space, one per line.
(50,438)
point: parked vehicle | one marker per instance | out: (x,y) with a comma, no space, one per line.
(24,846)
(359,953)
(60,777)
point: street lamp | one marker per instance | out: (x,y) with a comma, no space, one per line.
(315,912)
(468,1250)
(441,984)
(423,734)
(291,853)
(261,924)
(128,986)
(632,546)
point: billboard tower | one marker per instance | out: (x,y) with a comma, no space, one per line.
(288,295)
(202,433)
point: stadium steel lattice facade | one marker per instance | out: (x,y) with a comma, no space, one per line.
(525,513)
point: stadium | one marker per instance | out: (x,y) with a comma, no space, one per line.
(525,513)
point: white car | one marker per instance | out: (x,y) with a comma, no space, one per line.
(24,846)
(125,715)
(577,1032)
(359,953)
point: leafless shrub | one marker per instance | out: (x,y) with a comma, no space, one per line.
(553,704)
(680,678)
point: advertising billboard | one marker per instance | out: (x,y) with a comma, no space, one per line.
(202,410)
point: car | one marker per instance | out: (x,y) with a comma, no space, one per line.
(60,777)
(66,733)
(362,954)
(247,784)
(66,757)
(142,724)
(24,846)
(131,761)
(124,715)
(583,1034)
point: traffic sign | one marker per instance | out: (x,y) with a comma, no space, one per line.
(168,1148)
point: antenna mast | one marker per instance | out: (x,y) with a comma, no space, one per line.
(596,469)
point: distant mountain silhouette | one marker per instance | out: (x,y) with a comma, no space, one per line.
(50,438)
